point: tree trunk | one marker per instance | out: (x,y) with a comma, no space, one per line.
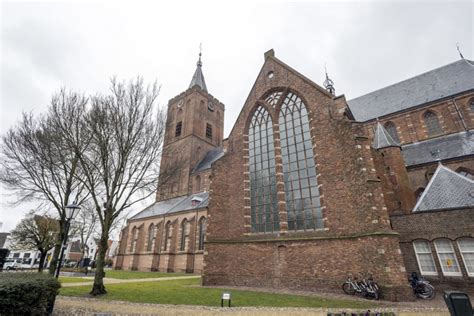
(57,248)
(42,258)
(98,288)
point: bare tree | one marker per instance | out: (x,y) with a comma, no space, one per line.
(120,163)
(85,226)
(36,232)
(36,163)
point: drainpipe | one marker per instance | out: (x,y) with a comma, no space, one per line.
(459,114)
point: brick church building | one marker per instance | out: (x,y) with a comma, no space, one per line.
(309,187)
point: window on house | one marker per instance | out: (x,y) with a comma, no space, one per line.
(184,235)
(179,126)
(447,258)
(466,247)
(168,232)
(151,237)
(303,204)
(433,127)
(202,233)
(391,128)
(424,257)
(263,192)
(209,131)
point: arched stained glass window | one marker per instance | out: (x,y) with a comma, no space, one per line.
(303,204)
(433,127)
(133,246)
(392,131)
(184,235)
(168,235)
(263,192)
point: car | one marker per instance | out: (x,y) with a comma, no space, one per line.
(12,264)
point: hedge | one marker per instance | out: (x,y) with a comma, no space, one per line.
(27,293)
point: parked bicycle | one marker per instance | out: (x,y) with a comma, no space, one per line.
(421,287)
(366,287)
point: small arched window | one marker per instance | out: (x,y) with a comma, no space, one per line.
(418,193)
(151,238)
(184,235)
(133,246)
(391,128)
(447,257)
(202,233)
(464,172)
(433,127)
(168,234)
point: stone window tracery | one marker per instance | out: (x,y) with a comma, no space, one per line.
(433,127)
(273,98)
(168,234)
(263,199)
(302,198)
(133,246)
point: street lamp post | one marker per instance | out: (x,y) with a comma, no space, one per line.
(71,212)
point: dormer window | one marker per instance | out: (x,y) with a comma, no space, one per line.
(179,127)
(196,200)
(209,131)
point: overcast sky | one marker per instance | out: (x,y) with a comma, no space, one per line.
(365,46)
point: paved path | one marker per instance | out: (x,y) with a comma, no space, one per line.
(118,281)
(93,306)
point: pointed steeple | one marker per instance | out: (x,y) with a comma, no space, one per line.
(198,77)
(383,139)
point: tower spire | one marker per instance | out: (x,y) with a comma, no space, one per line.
(198,77)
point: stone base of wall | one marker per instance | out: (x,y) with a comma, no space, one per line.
(308,265)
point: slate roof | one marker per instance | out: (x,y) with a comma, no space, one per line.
(446,190)
(210,157)
(382,138)
(178,204)
(198,77)
(436,84)
(440,148)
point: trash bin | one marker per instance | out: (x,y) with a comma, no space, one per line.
(458,303)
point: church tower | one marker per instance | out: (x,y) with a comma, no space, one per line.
(194,125)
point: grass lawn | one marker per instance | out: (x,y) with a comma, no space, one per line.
(188,292)
(63,279)
(119,274)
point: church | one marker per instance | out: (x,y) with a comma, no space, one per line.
(309,187)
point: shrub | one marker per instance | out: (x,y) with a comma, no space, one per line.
(27,293)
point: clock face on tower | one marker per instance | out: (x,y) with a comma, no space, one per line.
(180,104)
(210,106)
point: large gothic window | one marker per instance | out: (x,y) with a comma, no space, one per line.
(301,186)
(263,199)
